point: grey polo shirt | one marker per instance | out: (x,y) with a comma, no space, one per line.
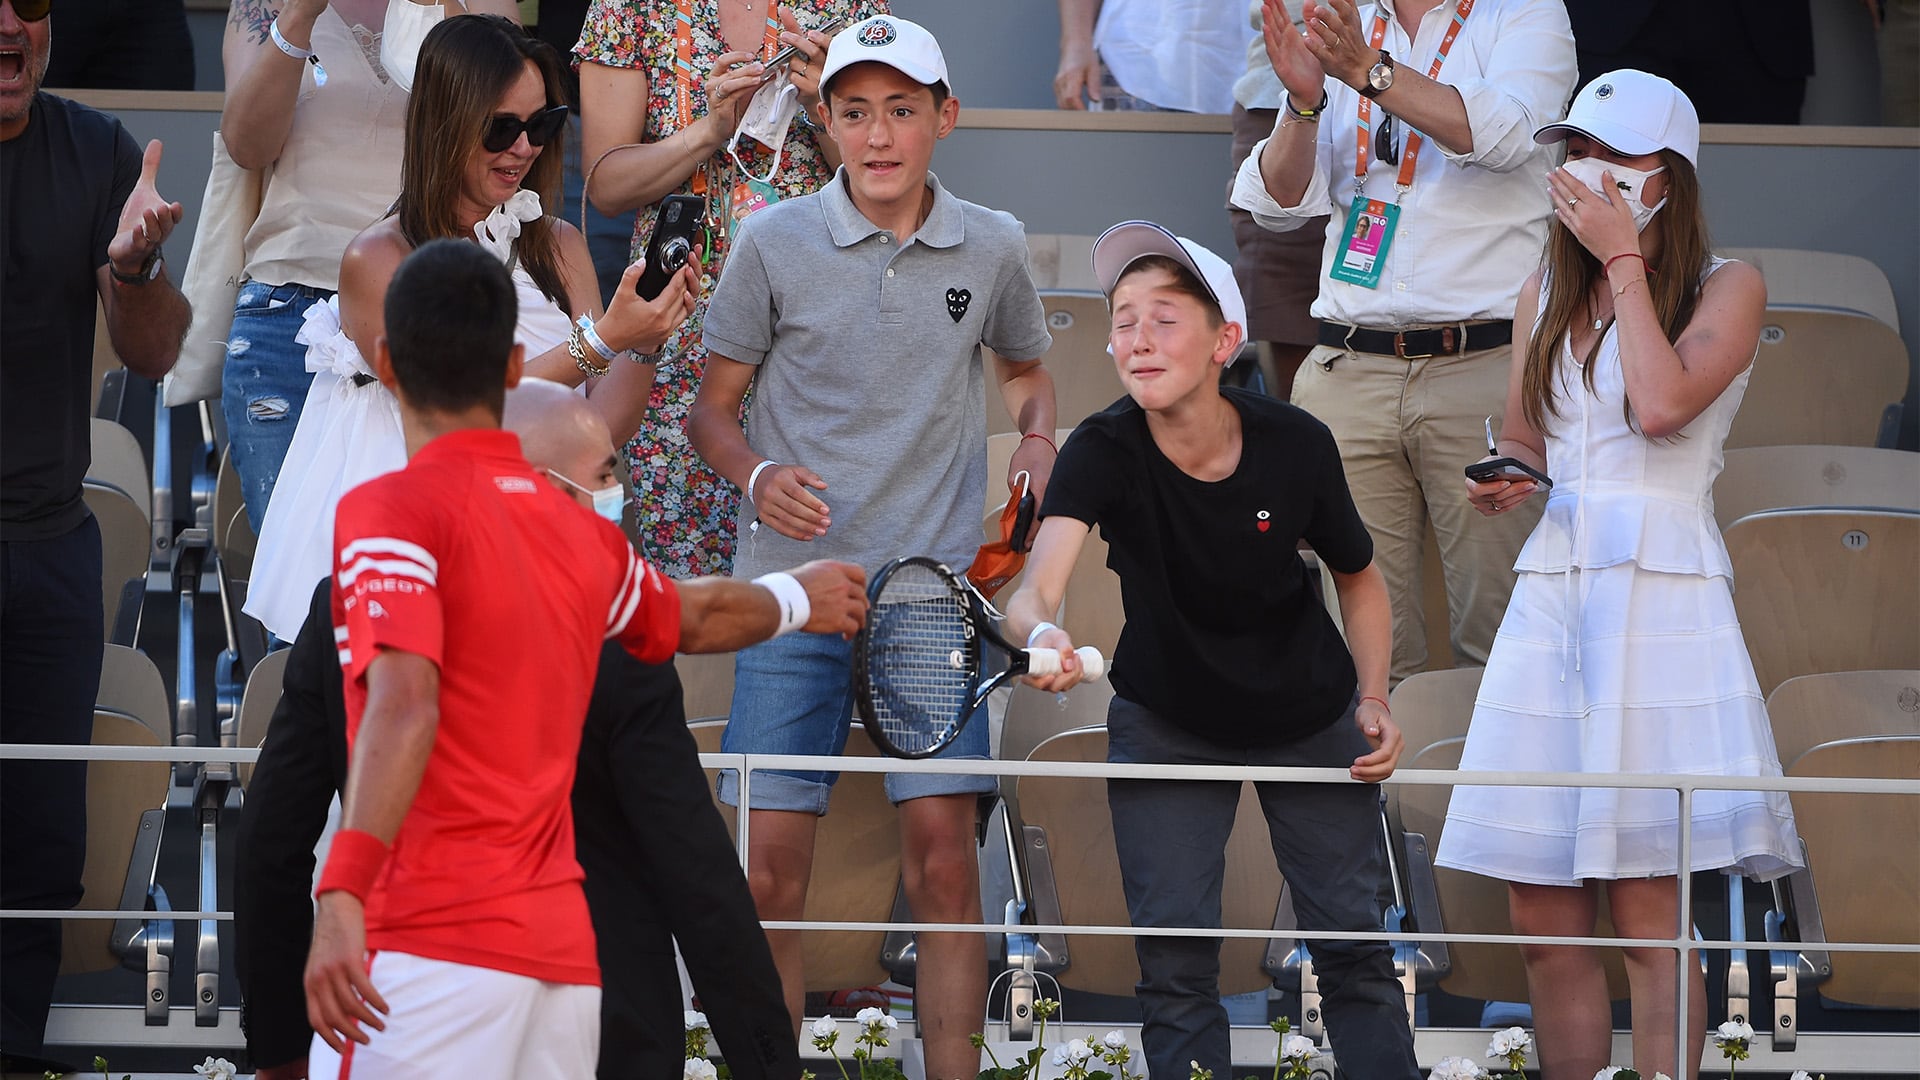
(871,372)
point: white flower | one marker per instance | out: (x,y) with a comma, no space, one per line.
(1664,1076)
(1800,1074)
(1732,1031)
(1512,1040)
(216,1069)
(696,1021)
(699,1069)
(825,1028)
(871,1017)
(1456,1068)
(1606,1073)
(1115,1039)
(1298,1046)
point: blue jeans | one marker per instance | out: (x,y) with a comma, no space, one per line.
(1172,839)
(264,384)
(794,695)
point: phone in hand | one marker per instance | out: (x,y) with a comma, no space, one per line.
(1506,468)
(830,27)
(676,235)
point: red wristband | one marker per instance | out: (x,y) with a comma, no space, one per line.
(354,861)
(1644,265)
(1382,701)
(1042,438)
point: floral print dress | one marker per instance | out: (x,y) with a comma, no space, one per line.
(685,511)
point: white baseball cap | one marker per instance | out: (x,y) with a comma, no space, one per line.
(1130,241)
(1631,112)
(905,46)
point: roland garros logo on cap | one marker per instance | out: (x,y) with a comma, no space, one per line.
(1603,91)
(877,33)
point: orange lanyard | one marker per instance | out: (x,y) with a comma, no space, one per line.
(1362,158)
(683,60)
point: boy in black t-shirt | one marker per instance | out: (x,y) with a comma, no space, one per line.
(1203,495)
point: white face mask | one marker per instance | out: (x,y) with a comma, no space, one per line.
(1629,183)
(766,121)
(406,27)
(608,502)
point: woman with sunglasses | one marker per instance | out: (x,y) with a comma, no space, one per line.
(483,116)
(663,84)
(315,105)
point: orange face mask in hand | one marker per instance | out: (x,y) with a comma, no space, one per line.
(1000,561)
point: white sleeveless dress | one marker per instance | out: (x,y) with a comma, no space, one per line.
(1620,652)
(349,433)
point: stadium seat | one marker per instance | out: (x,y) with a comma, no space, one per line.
(1808,710)
(124,540)
(130,684)
(1000,448)
(1092,612)
(706,684)
(257,703)
(1759,478)
(1826,902)
(1034,716)
(856,870)
(1061,261)
(1826,590)
(1074,875)
(120,795)
(1433,705)
(1820,377)
(118,462)
(1822,281)
(1084,380)
(233,537)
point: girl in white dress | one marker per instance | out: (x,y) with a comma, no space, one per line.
(483,131)
(1620,651)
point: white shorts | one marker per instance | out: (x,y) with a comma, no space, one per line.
(458,1020)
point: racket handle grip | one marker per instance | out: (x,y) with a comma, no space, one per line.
(1047,662)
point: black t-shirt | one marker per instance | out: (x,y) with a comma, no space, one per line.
(1223,635)
(62,184)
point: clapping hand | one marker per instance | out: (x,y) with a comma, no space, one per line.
(145,221)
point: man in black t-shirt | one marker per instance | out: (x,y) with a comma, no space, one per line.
(80,223)
(1227,658)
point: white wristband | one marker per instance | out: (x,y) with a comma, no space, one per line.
(593,339)
(754,477)
(1038,630)
(795,609)
(288,47)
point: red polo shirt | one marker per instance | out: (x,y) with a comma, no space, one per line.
(471,559)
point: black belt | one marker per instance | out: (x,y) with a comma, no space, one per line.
(1419,344)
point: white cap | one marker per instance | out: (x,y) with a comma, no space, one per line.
(1130,241)
(1631,112)
(905,46)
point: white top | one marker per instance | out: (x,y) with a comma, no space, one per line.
(1619,496)
(1258,87)
(1177,54)
(348,434)
(339,170)
(1472,226)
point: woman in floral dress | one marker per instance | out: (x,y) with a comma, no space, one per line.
(655,127)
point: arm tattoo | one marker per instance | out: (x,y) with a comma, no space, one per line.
(253,17)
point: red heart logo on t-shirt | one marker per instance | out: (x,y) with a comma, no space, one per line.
(1262,525)
(1261,520)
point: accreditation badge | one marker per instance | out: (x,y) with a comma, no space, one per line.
(1363,247)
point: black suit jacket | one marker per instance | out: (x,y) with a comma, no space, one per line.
(660,866)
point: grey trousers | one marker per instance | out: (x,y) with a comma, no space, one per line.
(1172,837)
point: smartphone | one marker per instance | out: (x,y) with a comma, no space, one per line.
(831,26)
(676,234)
(1506,468)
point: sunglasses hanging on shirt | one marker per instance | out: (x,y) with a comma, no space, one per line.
(1383,144)
(503,131)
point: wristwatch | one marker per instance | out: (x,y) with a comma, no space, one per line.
(1379,76)
(149,270)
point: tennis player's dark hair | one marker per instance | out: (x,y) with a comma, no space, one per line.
(1184,282)
(450,313)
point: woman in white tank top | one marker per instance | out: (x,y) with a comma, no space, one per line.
(482,154)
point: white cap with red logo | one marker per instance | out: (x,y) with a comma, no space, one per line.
(905,46)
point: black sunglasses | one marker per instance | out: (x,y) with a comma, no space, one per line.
(32,10)
(1383,146)
(503,131)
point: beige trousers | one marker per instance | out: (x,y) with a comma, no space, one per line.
(1407,429)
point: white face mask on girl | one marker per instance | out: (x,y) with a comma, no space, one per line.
(1629,183)
(400,37)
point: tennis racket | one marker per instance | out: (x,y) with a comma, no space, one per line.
(917,662)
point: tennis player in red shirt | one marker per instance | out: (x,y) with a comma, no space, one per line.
(470,602)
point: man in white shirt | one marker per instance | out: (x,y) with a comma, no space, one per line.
(1149,55)
(1409,122)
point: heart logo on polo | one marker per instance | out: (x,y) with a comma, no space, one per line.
(957,301)
(1262,521)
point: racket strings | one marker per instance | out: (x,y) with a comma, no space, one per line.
(920,663)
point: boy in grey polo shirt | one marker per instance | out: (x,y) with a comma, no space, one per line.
(858,314)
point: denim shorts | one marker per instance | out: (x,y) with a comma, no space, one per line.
(794,695)
(264,384)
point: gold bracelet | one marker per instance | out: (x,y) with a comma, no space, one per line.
(578,350)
